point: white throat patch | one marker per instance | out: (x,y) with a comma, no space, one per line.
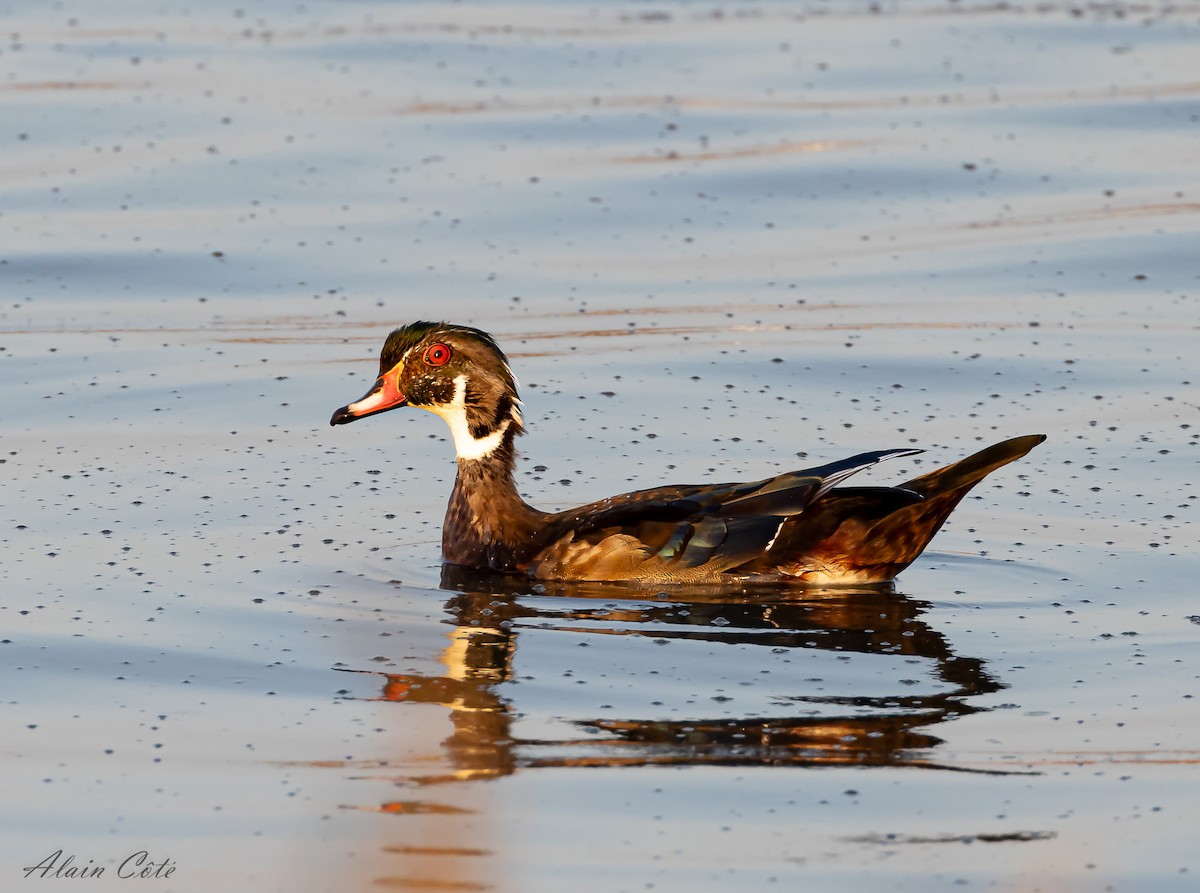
(466,445)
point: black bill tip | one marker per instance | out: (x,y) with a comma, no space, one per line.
(342,416)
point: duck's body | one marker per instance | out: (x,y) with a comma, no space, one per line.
(793,527)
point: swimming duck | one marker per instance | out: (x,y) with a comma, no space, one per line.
(794,527)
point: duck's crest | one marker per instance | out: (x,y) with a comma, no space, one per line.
(405,338)
(402,340)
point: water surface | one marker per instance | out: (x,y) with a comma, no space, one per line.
(716,242)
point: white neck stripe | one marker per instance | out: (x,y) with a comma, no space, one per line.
(466,445)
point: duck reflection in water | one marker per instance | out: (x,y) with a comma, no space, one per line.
(848,726)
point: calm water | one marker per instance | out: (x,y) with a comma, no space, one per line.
(717,241)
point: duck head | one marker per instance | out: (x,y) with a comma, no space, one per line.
(454,371)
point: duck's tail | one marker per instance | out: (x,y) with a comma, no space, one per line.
(859,534)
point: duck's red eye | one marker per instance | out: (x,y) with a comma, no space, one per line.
(437,355)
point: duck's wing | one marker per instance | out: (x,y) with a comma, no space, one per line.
(685,533)
(864,534)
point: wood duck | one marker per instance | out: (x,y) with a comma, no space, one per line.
(794,527)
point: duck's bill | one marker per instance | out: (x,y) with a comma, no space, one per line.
(382,397)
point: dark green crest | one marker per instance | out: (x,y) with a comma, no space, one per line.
(401,341)
(407,337)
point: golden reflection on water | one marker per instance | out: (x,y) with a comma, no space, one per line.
(872,730)
(1119,93)
(790,147)
(489,616)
